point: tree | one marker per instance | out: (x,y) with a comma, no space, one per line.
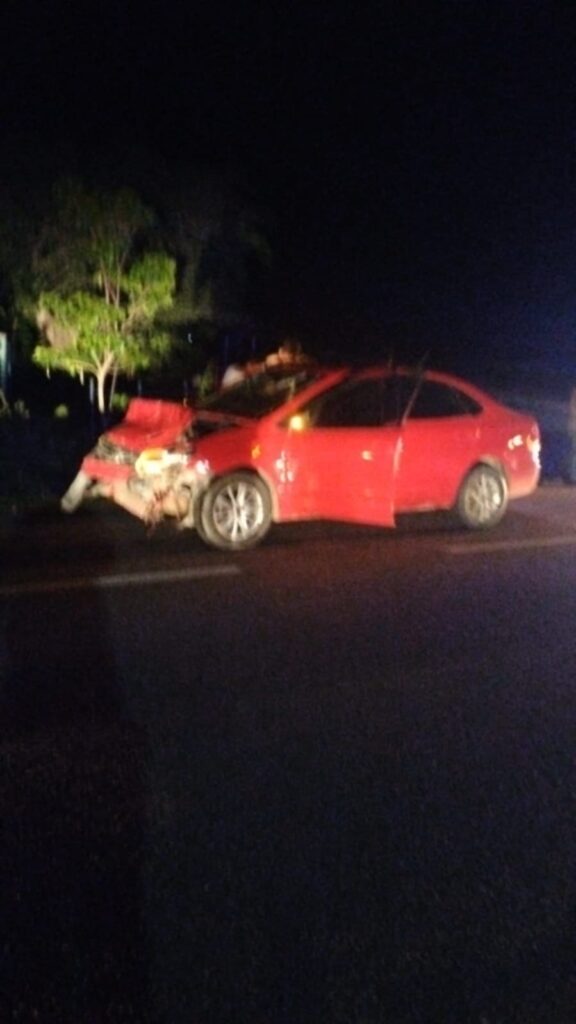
(108,333)
(70,239)
(99,316)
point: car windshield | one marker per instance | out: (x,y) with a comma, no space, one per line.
(260,394)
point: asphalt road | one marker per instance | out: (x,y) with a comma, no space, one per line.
(329,781)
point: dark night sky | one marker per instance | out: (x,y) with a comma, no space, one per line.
(419,158)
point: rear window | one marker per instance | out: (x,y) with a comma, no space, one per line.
(435,400)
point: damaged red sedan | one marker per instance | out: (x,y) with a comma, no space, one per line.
(307,443)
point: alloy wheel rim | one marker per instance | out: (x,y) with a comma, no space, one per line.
(484,499)
(238,512)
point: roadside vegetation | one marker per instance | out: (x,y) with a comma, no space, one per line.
(100,316)
(121,272)
(111,281)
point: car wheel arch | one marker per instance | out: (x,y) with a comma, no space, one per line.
(489,460)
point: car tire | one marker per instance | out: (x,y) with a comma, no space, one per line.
(482,499)
(235,512)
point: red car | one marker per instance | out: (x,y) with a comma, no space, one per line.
(307,443)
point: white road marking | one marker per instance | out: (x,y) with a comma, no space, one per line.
(476,548)
(128,579)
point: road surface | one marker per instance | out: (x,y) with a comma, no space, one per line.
(331,780)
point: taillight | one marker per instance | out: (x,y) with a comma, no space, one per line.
(534,446)
(530,441)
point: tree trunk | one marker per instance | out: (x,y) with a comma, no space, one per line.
(101,384)
(101,375)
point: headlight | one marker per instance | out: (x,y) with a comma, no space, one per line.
(153,461)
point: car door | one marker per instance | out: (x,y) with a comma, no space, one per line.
(440,441)
(340,453)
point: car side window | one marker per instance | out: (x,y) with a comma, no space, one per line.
(436,401)
(357,403)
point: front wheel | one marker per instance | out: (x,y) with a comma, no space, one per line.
(236,512)
(483,498)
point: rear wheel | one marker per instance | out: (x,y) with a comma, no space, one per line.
(483,498)
(236,512)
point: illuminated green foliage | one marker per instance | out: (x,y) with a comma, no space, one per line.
(99,315)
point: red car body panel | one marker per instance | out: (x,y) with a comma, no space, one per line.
(101,469)
(334,474)
(150,423)
(368,474)
(414,457)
